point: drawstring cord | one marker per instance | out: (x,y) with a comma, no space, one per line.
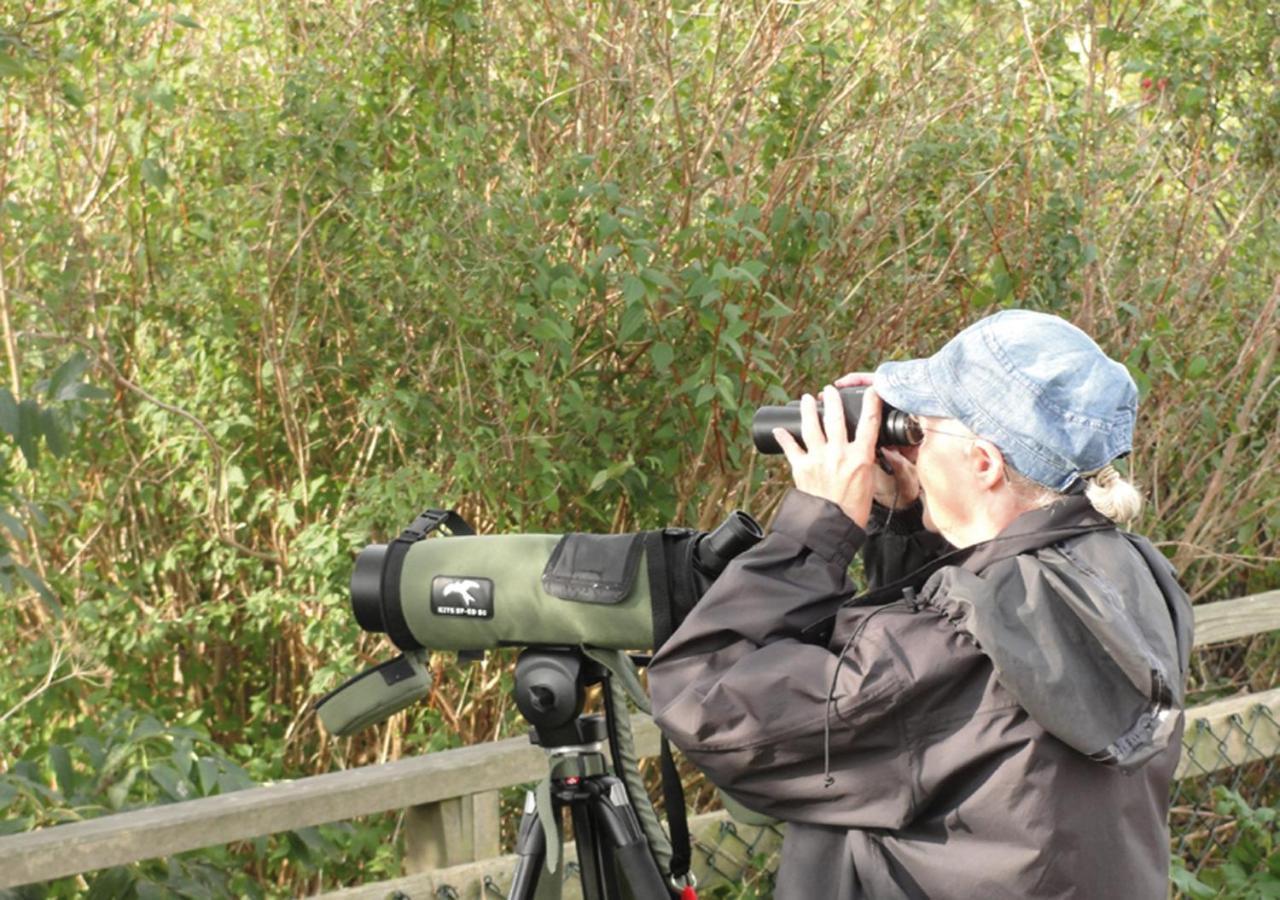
(827,780)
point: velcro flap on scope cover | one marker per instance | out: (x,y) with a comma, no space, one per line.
(593,568)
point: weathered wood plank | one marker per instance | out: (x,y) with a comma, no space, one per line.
(1229,733)
(451,832)
(1232,619)
(177,827)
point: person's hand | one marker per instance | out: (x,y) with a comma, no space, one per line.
(829,465)
(899,487)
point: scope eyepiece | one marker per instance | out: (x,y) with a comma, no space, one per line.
(735,534)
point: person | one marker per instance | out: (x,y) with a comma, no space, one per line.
(999,716)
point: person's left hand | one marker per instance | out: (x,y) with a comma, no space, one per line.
(829,465)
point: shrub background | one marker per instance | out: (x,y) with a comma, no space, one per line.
(276,276)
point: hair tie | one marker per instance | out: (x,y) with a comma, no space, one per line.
(1104,477)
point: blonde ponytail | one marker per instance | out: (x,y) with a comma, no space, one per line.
(1111,495)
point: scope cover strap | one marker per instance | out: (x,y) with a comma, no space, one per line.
(666,589)
(419,528)
(655,554)
(677,815)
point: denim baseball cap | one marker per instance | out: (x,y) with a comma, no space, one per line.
(1033,384)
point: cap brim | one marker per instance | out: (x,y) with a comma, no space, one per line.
(908,386)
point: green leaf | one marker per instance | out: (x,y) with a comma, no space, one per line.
(111,884)
(73,94)
(632,321)
(633,289)
(15,826)
(28,432)
(1197,367)
(37,584)
(11,66)
(662,356)
(14,524)
(62,385)
(186,21)
(8,413)
(60,762)
(175,786)
(118,793)
(54,434)
(154,174)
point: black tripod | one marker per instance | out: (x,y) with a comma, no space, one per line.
(612,848)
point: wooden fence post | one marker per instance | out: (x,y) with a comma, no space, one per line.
(451,832)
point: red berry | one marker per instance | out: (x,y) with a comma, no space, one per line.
(1146,83)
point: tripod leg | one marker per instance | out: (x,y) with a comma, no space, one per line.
(599,882)
(622,830)
(531,848)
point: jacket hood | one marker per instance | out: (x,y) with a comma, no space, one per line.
(1091,633)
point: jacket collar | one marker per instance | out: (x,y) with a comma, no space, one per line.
(1038,528)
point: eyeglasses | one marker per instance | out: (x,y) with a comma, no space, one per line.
(917,424)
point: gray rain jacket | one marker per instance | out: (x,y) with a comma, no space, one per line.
(1008,729)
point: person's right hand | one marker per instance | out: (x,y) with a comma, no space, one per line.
(900,487)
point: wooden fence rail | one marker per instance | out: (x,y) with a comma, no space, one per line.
(454,793)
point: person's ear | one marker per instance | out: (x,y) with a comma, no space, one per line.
(987,463)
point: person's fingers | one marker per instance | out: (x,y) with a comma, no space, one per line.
(793,451)
(868,431)
(855,379)
(906,479)
(833,417)
(810,427)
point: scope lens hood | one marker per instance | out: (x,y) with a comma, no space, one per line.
(366,588)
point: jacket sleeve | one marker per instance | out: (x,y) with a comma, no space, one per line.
(898,544)
(746,700)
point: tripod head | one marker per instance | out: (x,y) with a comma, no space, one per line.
(551,690)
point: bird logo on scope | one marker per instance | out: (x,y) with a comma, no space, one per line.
(463,589)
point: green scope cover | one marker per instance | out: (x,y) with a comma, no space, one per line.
(480,592)
(375,694)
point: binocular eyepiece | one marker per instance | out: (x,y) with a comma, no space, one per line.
(897,429)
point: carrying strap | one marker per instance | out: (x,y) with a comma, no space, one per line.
(667,592)
(393,613)
(624,683)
